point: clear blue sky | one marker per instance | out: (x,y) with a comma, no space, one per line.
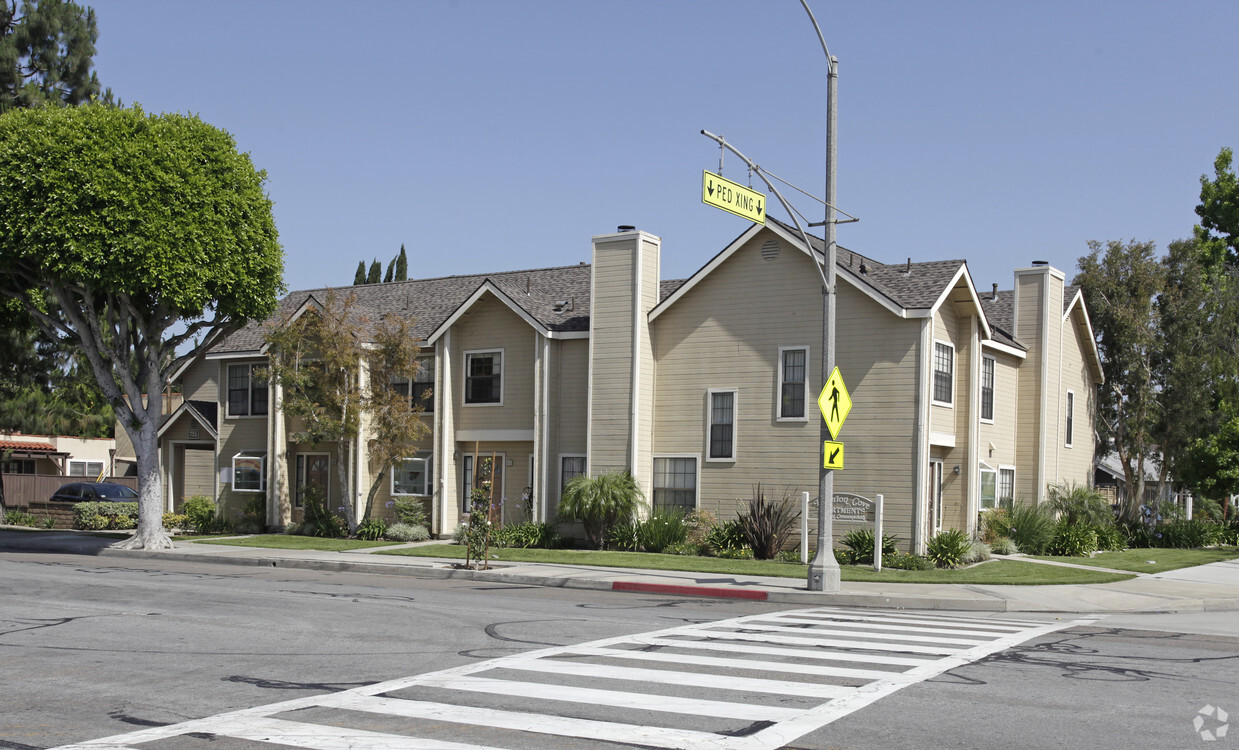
(490,136)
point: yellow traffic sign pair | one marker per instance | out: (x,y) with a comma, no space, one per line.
(834,402)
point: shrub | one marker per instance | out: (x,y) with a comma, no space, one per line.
(1031,528)
(727,537)
(526,535)
(1003,546)
(96,516)
(860,545)
(253,519)
(699,524)
(742,553)
(200,512)
(372,529)
(900,561)
(766,523)
(686,548)
(1073,540)
(948,549)
(843,557)
(319,521)
(1190,534)
(409,510)
(622,535)
(294,529)
(661,530)
(978,551)
(460,534)
(175,521)
(47,522)
(19,518)
(1078,505)
(1110,537)
(995,525)
(789,555)
(600,502)
(407,532)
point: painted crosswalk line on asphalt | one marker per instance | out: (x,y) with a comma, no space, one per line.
(748,683)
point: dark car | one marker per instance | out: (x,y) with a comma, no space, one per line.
(94,492)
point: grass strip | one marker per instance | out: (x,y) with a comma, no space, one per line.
(1150,559)
(998,572)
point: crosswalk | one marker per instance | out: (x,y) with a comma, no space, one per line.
(747,683)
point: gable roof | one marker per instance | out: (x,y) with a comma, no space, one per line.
(557,299)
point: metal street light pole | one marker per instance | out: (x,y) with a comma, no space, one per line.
(824,574)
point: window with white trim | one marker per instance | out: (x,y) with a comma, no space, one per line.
(484,377)
(85,468)
(1071,413)
(987,389)
(721,425)
(413,476)
(421,387)
(1006,486)
(793,382)
(989,487)
(247,390)
(570,467)
(248,473)
(944,373)
(675,483)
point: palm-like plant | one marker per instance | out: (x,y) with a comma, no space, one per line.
(601,501)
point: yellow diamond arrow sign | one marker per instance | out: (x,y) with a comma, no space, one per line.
(834,403)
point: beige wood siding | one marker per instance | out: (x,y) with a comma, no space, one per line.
(1075,464)
(726,333)
(611,339)
(1002,433)
(491,325)
(201,381)
(1030,290)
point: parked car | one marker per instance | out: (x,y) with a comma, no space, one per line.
(94,492)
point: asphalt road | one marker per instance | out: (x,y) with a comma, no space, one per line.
(95,647)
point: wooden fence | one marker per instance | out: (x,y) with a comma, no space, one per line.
(20,490)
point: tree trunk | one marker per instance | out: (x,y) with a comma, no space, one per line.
(150,533)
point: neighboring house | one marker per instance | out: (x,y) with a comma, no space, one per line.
(701,388)
(33,466)
(1111,481)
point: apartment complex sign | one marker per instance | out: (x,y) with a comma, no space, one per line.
(851,508)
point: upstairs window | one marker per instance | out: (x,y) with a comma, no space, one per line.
(793,382)
(1071,413)
(722,425)
(247,390)
(484,377)
(421,388)
(987,389)
(944,373)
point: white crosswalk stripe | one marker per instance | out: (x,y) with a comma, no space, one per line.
(749,683)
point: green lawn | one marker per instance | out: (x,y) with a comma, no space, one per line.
(286,541)
(992,573)
(1152,559)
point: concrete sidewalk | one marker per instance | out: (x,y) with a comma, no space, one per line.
(1213,587)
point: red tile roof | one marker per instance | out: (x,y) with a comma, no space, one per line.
(22,445)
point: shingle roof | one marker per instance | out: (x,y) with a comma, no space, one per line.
(1000,312)
(429,302)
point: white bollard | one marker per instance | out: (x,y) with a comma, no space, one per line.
(877,534)
(804,528)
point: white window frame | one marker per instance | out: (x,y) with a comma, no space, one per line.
(696,476)
(998,487)
(464,395)
(1069,416)
(735,406)
(262,470)
(987,469)
(249,392)
(933,385)
(993,388)
(404,385)
(778,386)
(427,460)
(937,468)
(85,467)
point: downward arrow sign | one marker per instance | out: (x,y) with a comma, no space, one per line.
(710,189)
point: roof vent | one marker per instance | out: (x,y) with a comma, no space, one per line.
(770,250)
(1041,262)
(995,293)
(908,268)
(863,268)
(625,228)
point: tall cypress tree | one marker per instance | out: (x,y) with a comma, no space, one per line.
(376,272)
(402,265)
(391,268)
(360,276)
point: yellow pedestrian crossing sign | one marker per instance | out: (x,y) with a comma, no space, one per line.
(834,403)
(733,197)
(832,455)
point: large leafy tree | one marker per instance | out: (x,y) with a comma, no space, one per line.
(46,53)
(1219,209)
(336,369)
(130,238)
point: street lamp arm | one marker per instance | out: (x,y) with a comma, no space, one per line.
(830,60)
(804,236)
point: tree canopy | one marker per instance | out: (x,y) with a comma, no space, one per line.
(131,237)
(46,53)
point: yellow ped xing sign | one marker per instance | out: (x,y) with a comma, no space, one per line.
(733,197)
(832,455)
(834,403)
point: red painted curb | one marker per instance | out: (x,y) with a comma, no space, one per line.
(667,588)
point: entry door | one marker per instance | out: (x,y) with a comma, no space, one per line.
(935,495)
(313,470)
(496,479)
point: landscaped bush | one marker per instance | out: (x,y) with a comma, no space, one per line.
(1003,546)
(372,529)
(860,546)
(686,548)
(1110,537)
(1190,534)
(406,532)
(319,520)
(995,525)
(700,523)
(527,535)
(767,523)
(978,551)
(622,535)
(19,518)
(661,530)
(1078,505)
(200,512)
(600,502)
(1073,540)
(726,539)
(948,549)
(1030,527)
(409,510)
(900,561)
(253,518)
(175,521)
(95,516)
